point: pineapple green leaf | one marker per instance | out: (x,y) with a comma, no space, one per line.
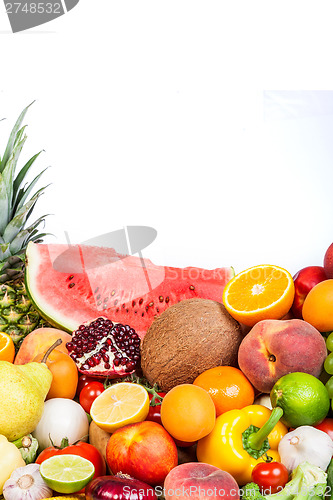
(40,236)
(24,193)
(17,223)
(9,170)
(31,206)
(19,135)
(22,238)
(12,138)
(4,252)
(4,205)
(21,175)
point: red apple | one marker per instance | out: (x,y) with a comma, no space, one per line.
(144,450)
(304,281)
(328,262)
(200,481)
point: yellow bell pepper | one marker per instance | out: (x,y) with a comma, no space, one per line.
(10,459)
(236,447)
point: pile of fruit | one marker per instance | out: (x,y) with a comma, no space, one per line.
(120,379)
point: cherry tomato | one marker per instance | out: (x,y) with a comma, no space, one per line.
(84,380)
(326,426)
(154,413)
(271,477)
(82,449)
(89,393)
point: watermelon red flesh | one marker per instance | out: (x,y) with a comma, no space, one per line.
(99,282)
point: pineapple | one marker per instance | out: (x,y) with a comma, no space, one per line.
(17,315)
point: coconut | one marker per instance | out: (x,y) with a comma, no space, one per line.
(187,339)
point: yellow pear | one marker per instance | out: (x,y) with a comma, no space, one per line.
(23,389)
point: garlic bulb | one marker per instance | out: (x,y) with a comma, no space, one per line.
(264,400)
(26,483)
(306,444)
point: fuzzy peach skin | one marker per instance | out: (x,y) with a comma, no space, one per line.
(274,348)
(200,481)
(38,342)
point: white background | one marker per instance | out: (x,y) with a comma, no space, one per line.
(170,114)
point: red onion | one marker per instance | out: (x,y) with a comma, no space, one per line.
(119,487)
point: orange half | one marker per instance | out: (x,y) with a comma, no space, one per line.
(7,348)
(260,292)
(121,404)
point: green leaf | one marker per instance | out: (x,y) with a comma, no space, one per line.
(19,135)
(23,194)
(9,170)
(17,223)
(12,138)
(23,236)
(4,205)
(21,175)
(4,252)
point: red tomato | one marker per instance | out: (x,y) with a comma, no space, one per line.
(271,477)
(154,414)
(82,449)
(326,426)
(83,381)
(89,393)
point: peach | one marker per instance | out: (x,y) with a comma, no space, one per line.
(38,341)
(200,481)
(274,348)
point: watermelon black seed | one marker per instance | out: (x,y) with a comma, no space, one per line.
(140,302)
(71,285)
(192,287)
(167,299)
(161,298)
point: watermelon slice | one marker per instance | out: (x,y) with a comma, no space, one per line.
(71,285)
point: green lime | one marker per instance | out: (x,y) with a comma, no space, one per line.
(66,473)
(303,398)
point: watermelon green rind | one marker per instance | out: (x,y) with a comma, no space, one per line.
(37,300)
(100,282)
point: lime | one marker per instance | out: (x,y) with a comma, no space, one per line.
(66,473)
(303,398)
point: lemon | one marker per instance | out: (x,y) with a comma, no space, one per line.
(121,404)
(303,398)
(67,473)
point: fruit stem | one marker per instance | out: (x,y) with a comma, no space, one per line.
(23,442)
(50,349)
(256,439)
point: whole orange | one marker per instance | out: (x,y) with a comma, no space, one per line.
(318,306)
(65,374)
(188,412)
(228,387)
